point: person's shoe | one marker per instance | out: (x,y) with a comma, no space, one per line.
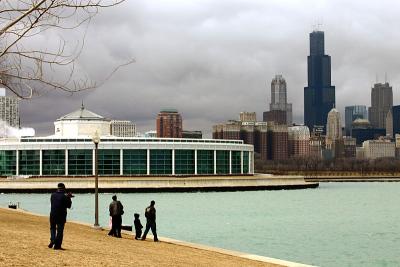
(156,240)
(59,248)
(51,245)
(143,238)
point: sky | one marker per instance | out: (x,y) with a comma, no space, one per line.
(213,59)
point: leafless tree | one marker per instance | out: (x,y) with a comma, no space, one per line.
(23,68)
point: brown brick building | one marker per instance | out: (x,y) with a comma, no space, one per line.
(169,124)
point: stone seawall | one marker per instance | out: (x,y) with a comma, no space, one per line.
(158,184)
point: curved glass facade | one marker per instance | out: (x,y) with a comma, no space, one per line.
(36,157)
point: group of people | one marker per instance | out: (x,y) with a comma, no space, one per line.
(116,210)
(61,201)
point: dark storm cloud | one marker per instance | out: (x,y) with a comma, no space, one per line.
(213,59)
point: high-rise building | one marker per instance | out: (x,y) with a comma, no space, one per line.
(389,123)
(9,109)
(319,95)
(381,102)
(396,119)
(352,113)
(275,116)
(279,98)
(298,141)
(349,147)
(333,126)
(122,128)
(278,142)
(169,124)
(248,116)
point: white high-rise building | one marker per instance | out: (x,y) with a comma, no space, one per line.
(122,128)
(279,97)
(9,109)
(334,125)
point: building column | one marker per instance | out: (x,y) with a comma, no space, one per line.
(148,161)
(230,161)
(17,163)
(121,162)
(241,162)
(173,161)
(195,161)
(40,162)
(66,162)
(251,162)
(215,161)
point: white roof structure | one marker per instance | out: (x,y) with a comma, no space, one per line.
(82,114)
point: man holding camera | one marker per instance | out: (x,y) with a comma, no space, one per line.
(60,202)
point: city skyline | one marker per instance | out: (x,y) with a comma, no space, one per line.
(213,60)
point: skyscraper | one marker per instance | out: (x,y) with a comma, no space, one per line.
(352,113)
(279,98)
(319,95)
(169,124)
(9,109)
(334,126)
(381,102)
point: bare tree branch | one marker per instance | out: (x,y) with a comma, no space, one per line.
(24,70)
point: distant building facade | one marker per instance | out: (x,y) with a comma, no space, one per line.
(319,95)
(349,147)
(396,119)
(278,140)
(298,141)
(279,99)
(381,103)
(275,116)
(352,113)
(248,116)
(192,134)
(374,149)
(122,128)
(169,124)
(9,109)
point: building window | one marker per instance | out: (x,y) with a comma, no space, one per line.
(109,161)
(29,162)
(236,162)
(184,162)
(53,162)
(205,161)
(245,162)
(161,161)
(80,162)
(222,162)
(135,161)
(8,162)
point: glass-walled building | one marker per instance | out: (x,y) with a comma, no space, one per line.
(53,156)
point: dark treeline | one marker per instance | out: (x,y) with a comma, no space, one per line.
(338,165)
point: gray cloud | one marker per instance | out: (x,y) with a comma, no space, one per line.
(213,59)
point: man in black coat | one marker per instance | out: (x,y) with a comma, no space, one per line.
(116,211)
(60,202)
(150,214)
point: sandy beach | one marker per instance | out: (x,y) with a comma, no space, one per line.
(24,239)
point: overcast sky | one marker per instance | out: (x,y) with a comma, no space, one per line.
(213,59)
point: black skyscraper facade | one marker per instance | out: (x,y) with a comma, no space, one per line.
(319,95)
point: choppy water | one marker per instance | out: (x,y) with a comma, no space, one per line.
(338,224)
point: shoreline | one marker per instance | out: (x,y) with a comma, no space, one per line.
(159,184)
(251,259)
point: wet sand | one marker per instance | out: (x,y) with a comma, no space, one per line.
(24,238)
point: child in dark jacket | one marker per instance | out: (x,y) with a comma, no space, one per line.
(138,226)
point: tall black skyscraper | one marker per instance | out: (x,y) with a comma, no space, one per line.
(319,95)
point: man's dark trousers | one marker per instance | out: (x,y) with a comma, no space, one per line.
(150,225)
(56,232)
(116,225)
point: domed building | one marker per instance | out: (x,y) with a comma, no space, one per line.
(81,122)
(361,124)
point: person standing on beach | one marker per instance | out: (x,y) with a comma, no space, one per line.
(60,202)
(150,214)
(116,211)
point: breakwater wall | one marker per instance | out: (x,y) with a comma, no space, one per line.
(158,184)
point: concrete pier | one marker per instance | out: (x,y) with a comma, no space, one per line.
(158,184)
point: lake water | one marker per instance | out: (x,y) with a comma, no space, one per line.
(337,224)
